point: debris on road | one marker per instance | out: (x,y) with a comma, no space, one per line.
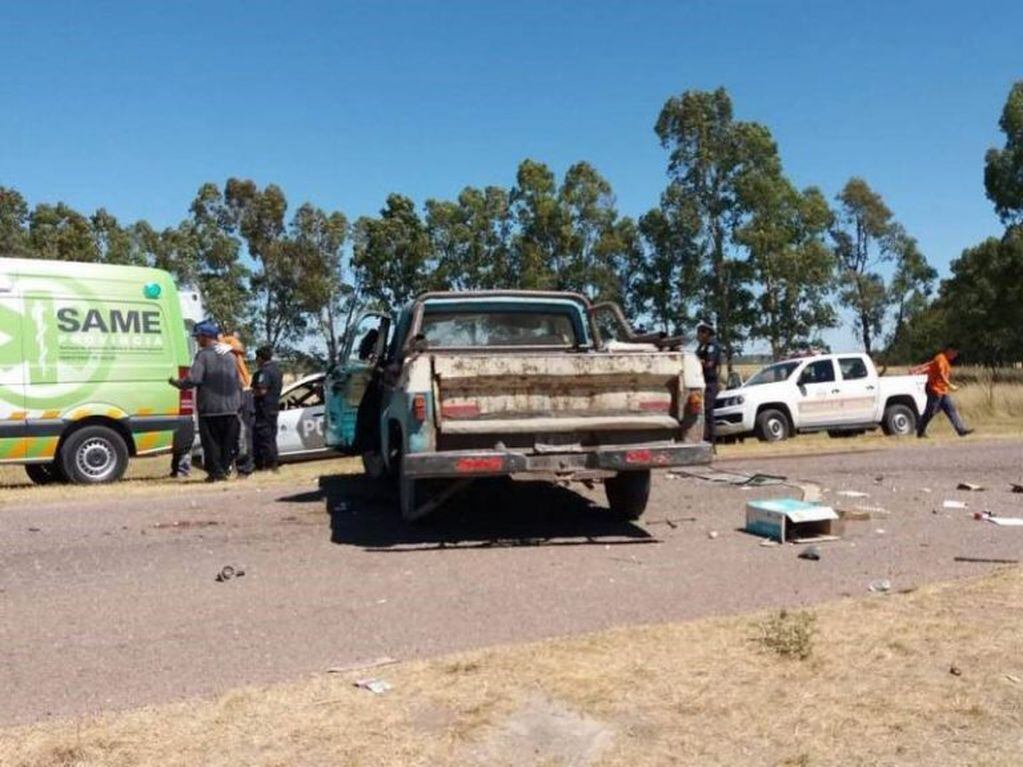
(671,522)
(789,520)
(769,542)
(1016,488)
(954,670)
(852,494)
(754,479)
(34,529)
(969,486)
(186,523)
(861,513)
(954,505)
(882,586)
(375,686)
(384,660)
(1001,521)
(810,552)
(712,534)
(227,572)
(987,560)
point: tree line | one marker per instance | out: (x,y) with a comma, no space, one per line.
(731,240)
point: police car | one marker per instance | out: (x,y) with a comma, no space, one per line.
(300,421)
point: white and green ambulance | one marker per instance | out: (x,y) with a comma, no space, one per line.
(85,354)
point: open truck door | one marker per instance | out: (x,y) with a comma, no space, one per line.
(350,377)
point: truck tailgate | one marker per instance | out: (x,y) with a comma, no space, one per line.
(557,391)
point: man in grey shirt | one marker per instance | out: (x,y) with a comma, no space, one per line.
(214,376)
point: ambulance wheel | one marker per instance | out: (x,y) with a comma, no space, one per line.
(628,492)
(43,473)
(93,454)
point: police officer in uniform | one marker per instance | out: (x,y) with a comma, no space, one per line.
(709,353)
(266,390)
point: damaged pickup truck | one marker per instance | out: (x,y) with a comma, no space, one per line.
(496,383)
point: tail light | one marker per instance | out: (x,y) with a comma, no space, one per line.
(694,403)
(186,397)
(419,407)
(482,464)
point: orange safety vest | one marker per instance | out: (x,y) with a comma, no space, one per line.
(937,375)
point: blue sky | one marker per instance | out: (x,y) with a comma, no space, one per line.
(132,105)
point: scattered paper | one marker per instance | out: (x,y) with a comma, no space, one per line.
(375,686)
(852,494)
(954,505)
(881,587)
(1005,521)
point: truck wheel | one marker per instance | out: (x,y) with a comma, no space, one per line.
(772,426)
(92,455)
(43,473)
(899,421)
(628,492)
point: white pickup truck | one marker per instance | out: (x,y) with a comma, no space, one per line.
(841,394)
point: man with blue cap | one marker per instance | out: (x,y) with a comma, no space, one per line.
(214,376)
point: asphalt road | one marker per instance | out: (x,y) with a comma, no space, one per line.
(108,604)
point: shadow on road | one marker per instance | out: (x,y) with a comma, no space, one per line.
(489,513)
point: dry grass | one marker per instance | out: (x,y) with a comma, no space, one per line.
(148,476)
(878,689)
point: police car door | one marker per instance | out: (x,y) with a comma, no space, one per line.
(348,379)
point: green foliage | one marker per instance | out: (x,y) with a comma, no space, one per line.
(709,156)
(393,257)
(984,300)
(58,232)
(13,218)
(1003,168)
(786,235)
(864,236)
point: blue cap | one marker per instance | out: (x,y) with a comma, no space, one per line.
(206,328)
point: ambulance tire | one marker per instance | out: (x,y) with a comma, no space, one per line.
(43,473)
(93,455)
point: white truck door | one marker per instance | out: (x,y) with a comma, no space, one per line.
(859,393)
(817,398)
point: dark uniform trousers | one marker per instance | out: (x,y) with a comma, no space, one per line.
(265,440)
(219,437)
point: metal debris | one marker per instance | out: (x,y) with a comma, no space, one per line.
(969,486)
(227,572)
(882,586)
(810,552)
(375,686)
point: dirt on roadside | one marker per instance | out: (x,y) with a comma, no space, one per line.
(929,677)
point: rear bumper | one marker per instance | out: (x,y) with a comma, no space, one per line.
(493,463)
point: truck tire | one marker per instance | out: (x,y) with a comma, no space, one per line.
(899,421)
(628,493)
(43,473)
(772,426)
(92,455)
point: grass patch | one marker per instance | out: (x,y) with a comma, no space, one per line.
(877,689)
(788,634)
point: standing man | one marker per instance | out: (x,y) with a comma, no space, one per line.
(938,388)
(243,453)
(266,393)
(219,396)
(709,354)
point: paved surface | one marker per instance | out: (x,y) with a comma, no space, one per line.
(112,604)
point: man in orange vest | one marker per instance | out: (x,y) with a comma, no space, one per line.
(243,456)
(938,391)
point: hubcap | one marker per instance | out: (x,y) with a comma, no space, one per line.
(96,459)
(776,428)
(900,423)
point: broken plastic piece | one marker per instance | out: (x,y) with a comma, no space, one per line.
(375,686)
